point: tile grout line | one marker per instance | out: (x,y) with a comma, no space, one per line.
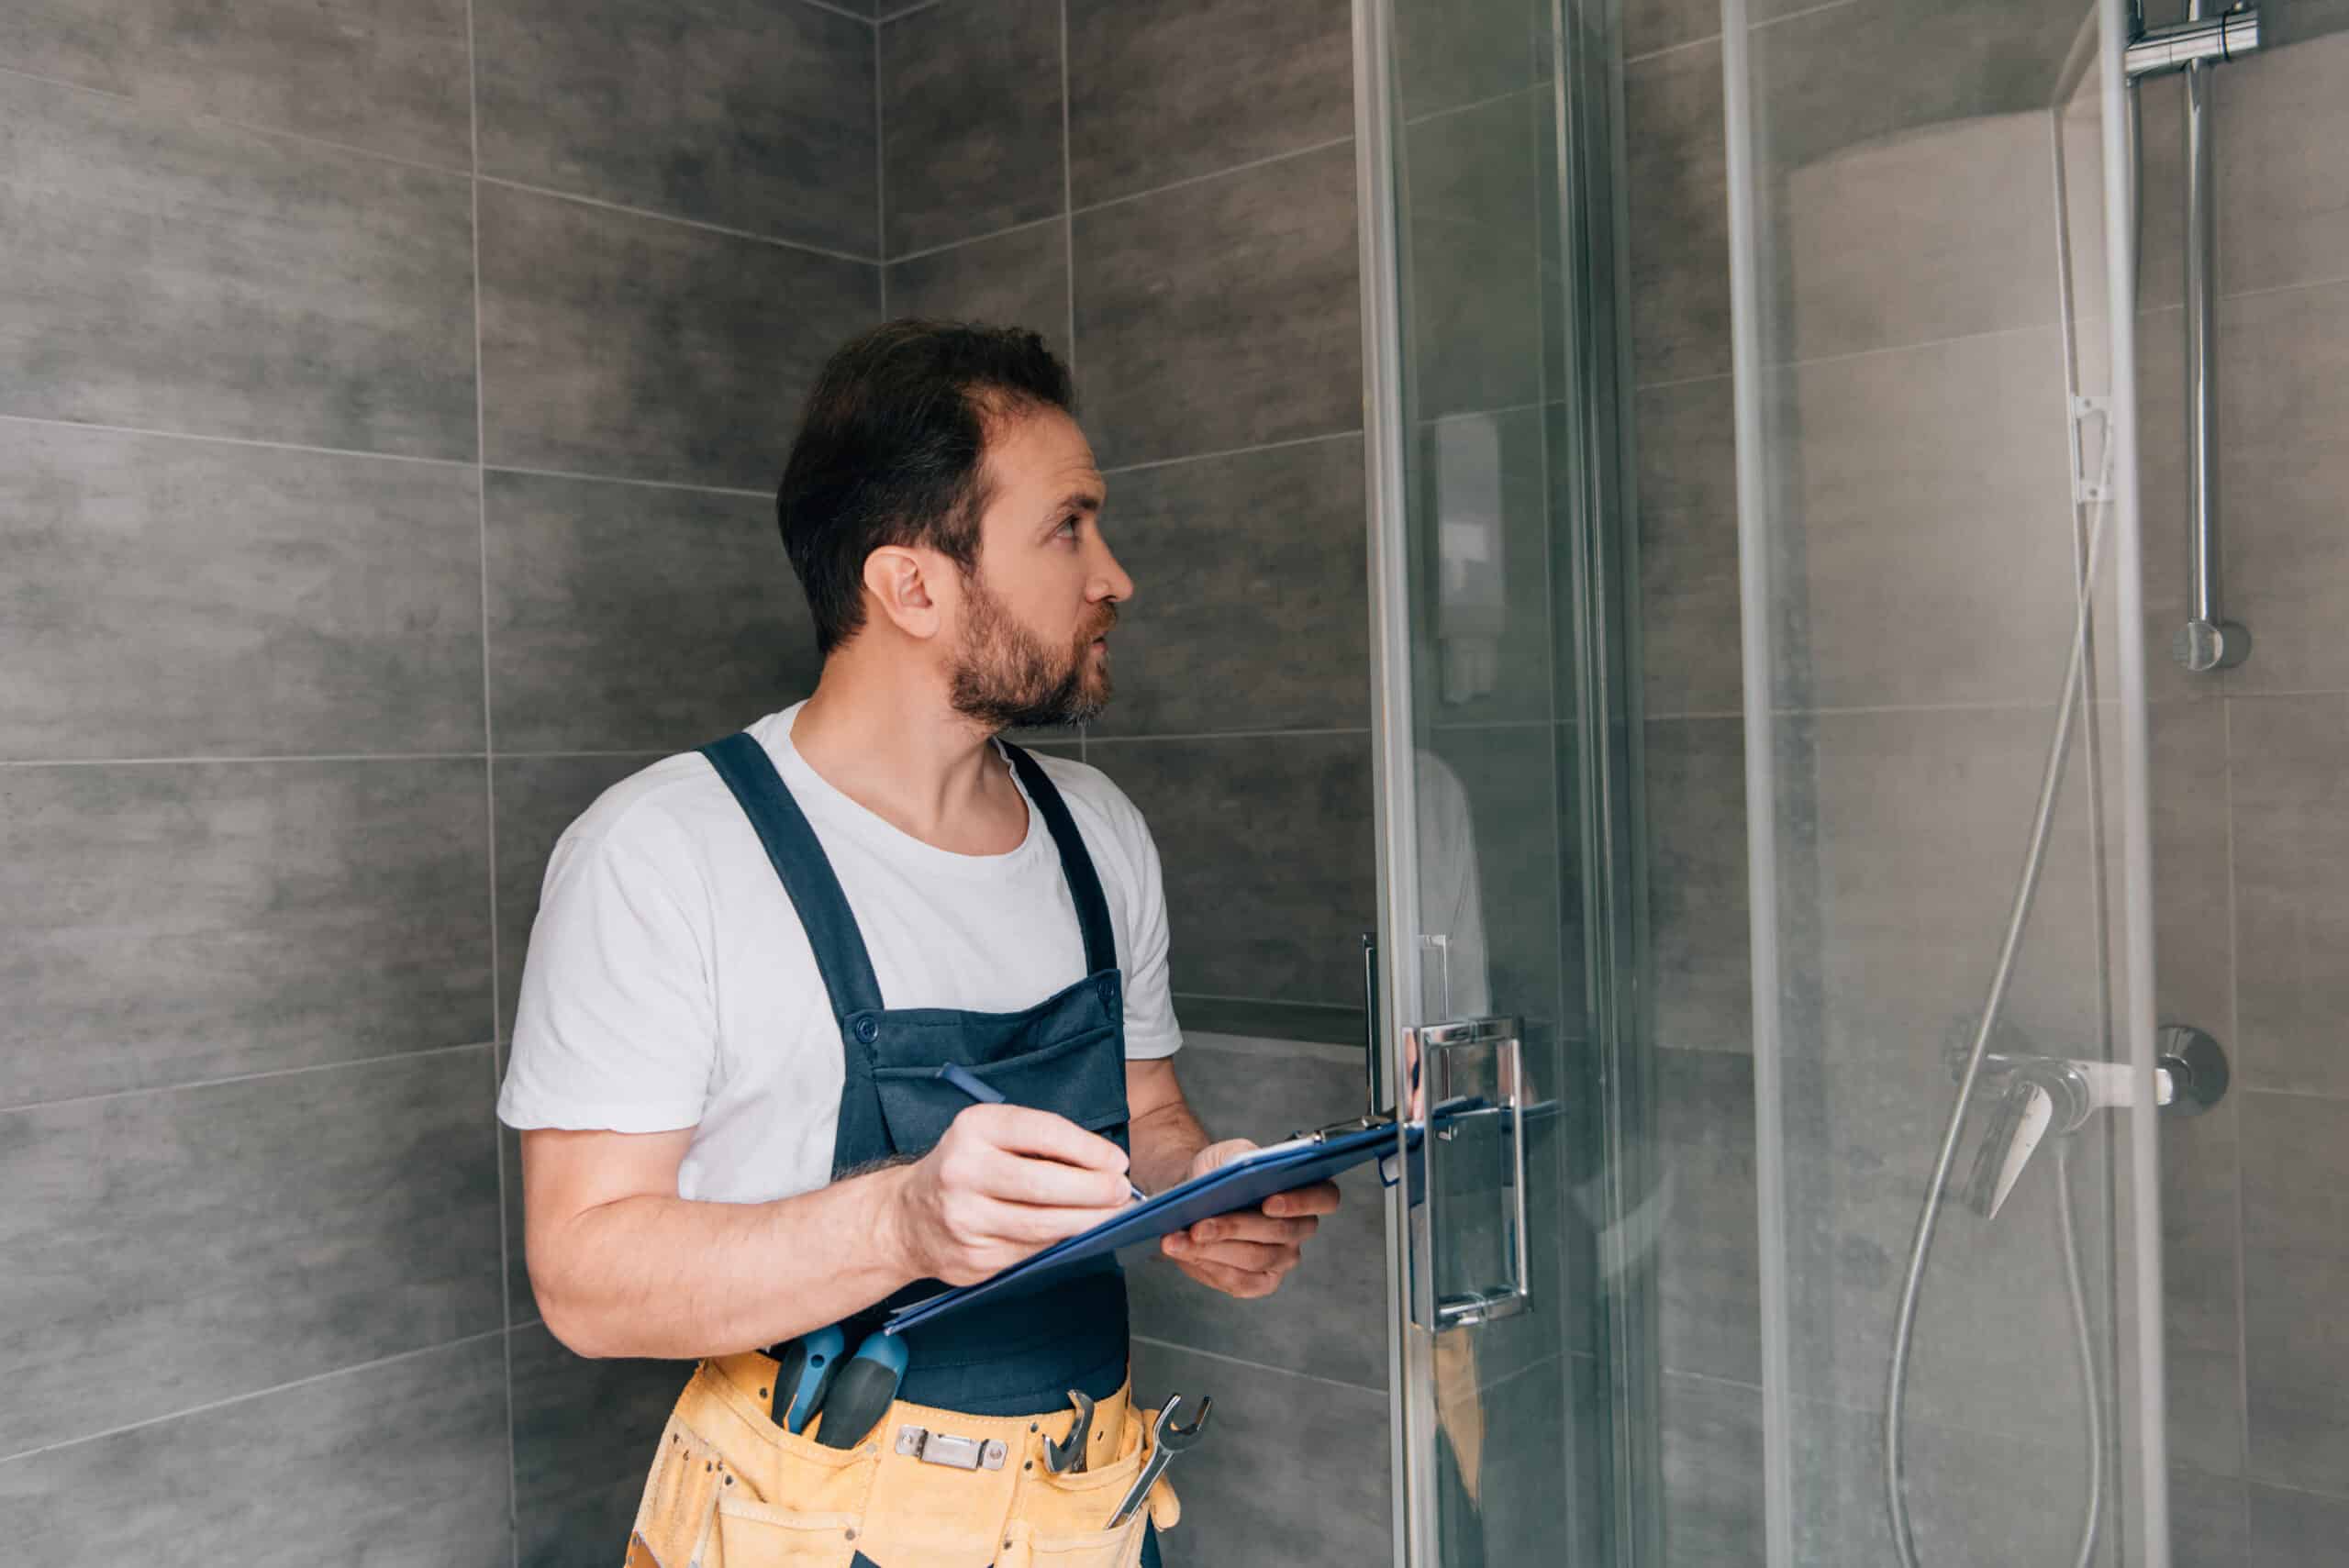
(1230,451)
(1219,173)
(928,251)
(1259,1366)
(470,463)
(489,804)
(249,1394)
(650,215)
(1486,103)
(192,1085)
(838,11)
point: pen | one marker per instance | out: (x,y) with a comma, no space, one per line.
(980,1090)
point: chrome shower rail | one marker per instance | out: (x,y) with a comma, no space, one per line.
(2196,46)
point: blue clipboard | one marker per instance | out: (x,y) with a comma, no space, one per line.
(1243,1184)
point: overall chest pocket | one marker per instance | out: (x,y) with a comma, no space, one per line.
(1082,1077)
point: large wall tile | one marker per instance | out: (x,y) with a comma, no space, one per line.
(1897,545)
(1014,279)
(1250,605)
(2296,1266)
(585,1436)
(2207,1524)
(624,618)
(1270,1486)
(186,598)
(617,344)
(1709,1270)
(1474,261)
(1328,1318)
(1319,1023)
(180,274)
(2288,761)
(971,117)
(1699,932)
(747,113)
(1938,232)
(1690,656)
(1266,845)
(1712,1472)
(2283,215)
(1221,314)
(166,1256)
(388,79)
(2293,1529)
(402,1463)
(1676,182)
(171,923)
(2283,481)
(1165,90)
(2202,1325)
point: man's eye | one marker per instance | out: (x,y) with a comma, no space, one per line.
(1068,527)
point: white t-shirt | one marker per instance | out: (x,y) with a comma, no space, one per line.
(670,984)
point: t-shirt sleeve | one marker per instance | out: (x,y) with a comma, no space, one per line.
(616,1026)
(1150,1030)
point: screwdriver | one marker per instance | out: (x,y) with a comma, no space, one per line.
(862,1391)
(986,1094)
(810,1363)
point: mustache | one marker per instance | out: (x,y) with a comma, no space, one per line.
(1100,624)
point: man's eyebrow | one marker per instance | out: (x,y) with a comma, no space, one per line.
(1082,500)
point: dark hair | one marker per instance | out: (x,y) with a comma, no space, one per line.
(891,452)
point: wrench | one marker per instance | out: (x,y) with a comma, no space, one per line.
(1166,1440)
(1063,1458)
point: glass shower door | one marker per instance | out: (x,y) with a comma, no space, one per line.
(1520,1276)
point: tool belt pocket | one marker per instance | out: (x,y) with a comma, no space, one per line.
(1060,1518)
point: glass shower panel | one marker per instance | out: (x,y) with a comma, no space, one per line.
(1928,500)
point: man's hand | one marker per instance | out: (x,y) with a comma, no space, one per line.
(1248,1254)
(1005,1182)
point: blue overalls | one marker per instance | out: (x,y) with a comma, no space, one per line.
(1065,1055)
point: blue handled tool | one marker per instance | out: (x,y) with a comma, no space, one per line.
(986,1094)
(810,1363)
(862,1391)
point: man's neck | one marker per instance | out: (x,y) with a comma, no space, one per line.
(891,741)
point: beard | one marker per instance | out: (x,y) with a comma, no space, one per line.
(1006,677)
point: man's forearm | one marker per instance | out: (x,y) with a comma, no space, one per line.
(1163,1143)
(676,1279)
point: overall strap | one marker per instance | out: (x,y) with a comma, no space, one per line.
(1076,864)
(807,873)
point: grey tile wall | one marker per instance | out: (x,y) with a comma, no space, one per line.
(971,121)
(175,273)
(1018,278)
(268,620)
(186,599)
(1168,90)
(751,115)
(1221,314)
(405,1458)
(344,71)
(620,344)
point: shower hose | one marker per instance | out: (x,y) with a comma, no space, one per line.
(1929,1215)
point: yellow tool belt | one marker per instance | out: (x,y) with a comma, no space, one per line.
(732,1489)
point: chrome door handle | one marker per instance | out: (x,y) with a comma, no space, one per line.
(1486,1094)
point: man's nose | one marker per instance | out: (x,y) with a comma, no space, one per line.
(1112,581)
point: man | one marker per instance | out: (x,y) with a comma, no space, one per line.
(751,961)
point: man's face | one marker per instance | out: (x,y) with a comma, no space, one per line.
(1033,648)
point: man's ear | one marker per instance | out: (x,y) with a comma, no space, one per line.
(900,582)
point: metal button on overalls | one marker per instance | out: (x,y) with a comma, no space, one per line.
(999,1360)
